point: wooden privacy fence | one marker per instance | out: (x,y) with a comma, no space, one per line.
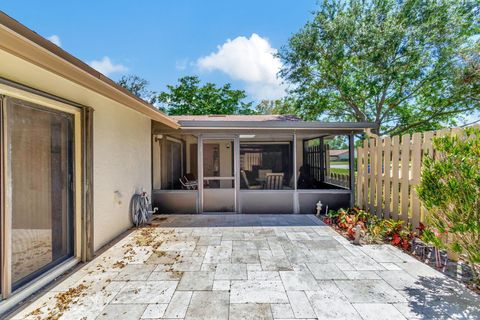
(388,168)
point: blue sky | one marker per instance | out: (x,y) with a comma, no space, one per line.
(164,40)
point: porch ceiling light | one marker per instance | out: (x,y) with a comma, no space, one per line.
(247,136)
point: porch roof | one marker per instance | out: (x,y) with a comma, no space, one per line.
(264,122)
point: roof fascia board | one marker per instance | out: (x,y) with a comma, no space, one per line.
(276,132)
(292,125)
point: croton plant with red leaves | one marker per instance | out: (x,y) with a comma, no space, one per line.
(374,229)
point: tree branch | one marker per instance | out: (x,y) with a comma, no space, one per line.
(424,121)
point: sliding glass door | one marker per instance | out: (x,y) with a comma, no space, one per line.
(39,188)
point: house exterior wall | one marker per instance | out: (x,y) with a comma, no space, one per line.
(122,145)
(122,167)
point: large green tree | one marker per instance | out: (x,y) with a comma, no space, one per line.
(280,106)
(189,97)
(403,64)
(139,87)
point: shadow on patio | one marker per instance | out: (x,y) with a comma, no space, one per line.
(441,298)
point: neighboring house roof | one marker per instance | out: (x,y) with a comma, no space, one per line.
(338,152)
(19,40)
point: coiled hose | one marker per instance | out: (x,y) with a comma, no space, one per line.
(140,209)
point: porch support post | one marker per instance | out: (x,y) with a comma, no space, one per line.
(351,150)
(200,174)
(296,208)
(322,159)
(236,173)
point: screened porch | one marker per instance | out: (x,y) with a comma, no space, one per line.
(201,168)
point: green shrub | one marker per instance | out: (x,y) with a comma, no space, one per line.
(450,190)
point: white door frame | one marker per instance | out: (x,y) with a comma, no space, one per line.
(236,169)
(8,92)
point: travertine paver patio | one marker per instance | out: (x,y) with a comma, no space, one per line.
(252,268)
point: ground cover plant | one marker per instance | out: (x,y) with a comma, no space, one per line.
(373,229)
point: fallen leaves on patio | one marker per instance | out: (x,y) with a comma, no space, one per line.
(63,302)
(146,236)
(119,264)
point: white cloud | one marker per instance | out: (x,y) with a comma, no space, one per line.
(55,39)
(251,60)
(107,67)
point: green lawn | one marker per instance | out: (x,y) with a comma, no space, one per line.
(336,170)
(339,162)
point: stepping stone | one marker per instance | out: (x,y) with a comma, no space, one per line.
(211,305)
(369,291)
(255,291)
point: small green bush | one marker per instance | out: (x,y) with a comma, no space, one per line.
(450,190)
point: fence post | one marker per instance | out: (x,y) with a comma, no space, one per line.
(395,176)
(359,193)
(387,155)
(405,177)
(379,177)
(366,158)
(371,175)
(416,171)
(427,149)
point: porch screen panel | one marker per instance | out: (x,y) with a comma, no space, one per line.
(218,176)
(40,162)
(266,166)
(174,164)
(326,163)
(337,159)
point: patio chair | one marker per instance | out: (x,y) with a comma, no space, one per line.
(274,181)
(247,184)
(188,185)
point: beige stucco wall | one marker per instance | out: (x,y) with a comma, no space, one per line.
(122,145)
(122,166)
